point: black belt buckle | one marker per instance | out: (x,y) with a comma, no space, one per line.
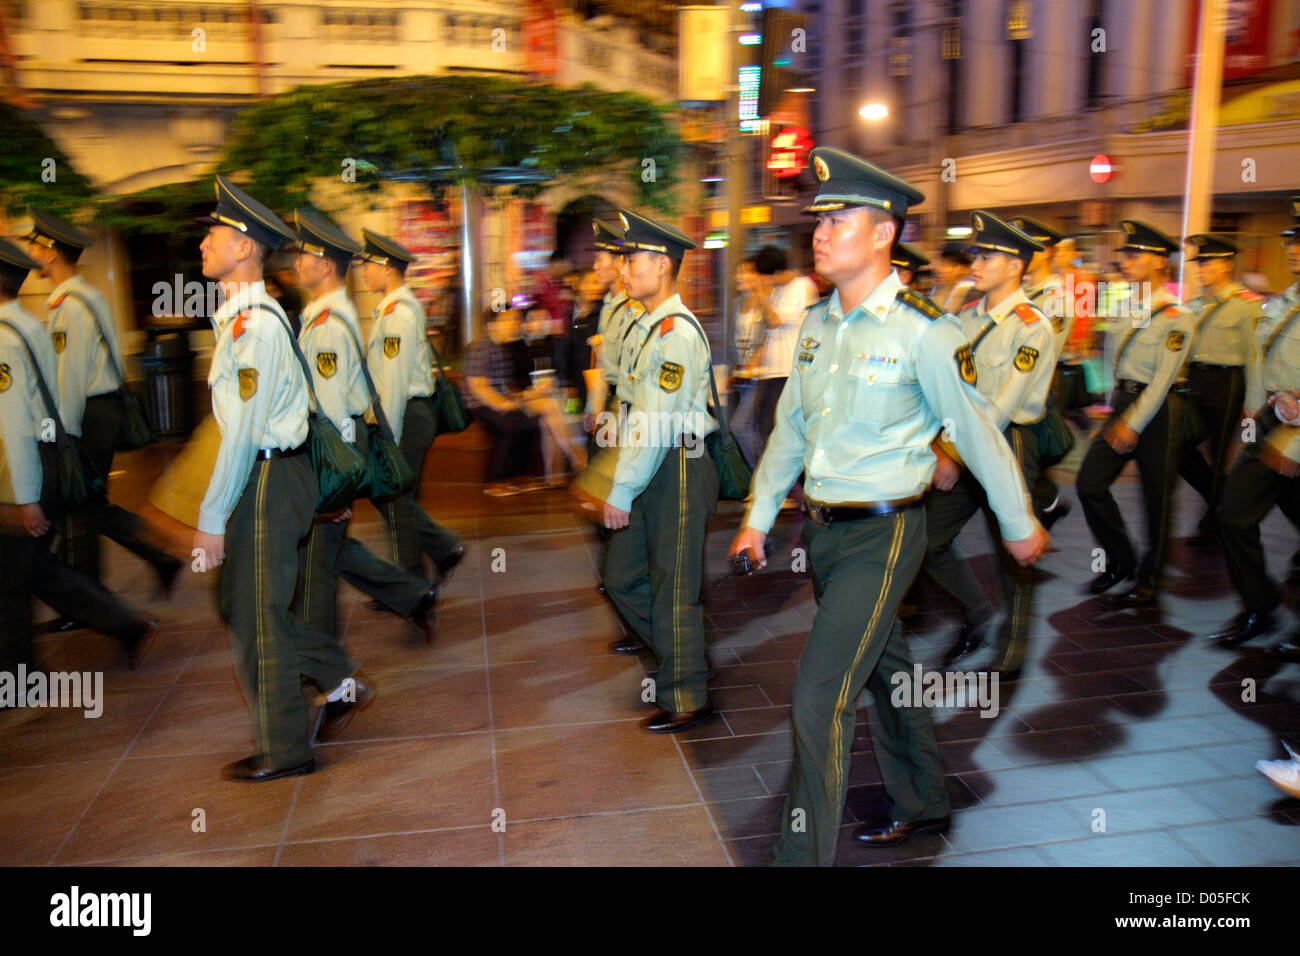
(820,514)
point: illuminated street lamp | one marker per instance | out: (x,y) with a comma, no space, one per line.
(874,111)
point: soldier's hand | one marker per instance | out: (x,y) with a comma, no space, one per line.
(343,515)
(752,541)
(1030,549)
(211,548)
(615,518)
(33,519)
(946,471)
(1120,437)
(1286,406)
(1283,465)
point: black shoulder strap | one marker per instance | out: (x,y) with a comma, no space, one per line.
(713,382)
(99,324)
(47,397)
(1281,326)
(1133,331)
(375,404)
(302,359)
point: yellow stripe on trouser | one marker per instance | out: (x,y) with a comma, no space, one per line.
(392,531)
(1173,418)
(266,668)
(678,610)
(834,768)
(1017,589)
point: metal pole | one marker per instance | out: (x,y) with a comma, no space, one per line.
(734,166)
(470,327)
(1204,126)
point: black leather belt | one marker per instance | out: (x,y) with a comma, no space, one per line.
(856,511)
(268,454)
(1210,367)
(1130,386)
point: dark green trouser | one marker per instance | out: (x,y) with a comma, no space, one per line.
(860,572)
(101,424)
(946,513)
(273,649)
(328,553)
(412,531)
(28,568)
(654,570)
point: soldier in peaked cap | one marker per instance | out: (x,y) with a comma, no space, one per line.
(908,260)
(878,369)
(401,362)
(331,342)
(261,498)
(1218,370)
(1009,363)
(90,384)
(1044,289)
(618,313)
(30,497)
(1146,422)
(1267,472)
(665,487)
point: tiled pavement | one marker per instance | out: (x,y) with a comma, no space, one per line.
(518,709)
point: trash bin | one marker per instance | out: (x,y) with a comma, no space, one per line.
(168,365)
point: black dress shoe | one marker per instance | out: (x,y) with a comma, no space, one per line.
(252,770)
(969,639)
(1288,650)
(667,722)
(137,638)
(339,713)
(1050,518)
(601,589)
(896,831)
(425,614)
(1244,628)
(1139,597)
(167,572)
(631,644)
(1107,580)
(447,566)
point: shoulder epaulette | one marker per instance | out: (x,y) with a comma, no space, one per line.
(389,308)
(59,301)
(666,326)
(920,303)
(1028,314)
(325,314)
(238,329)
(1249,296)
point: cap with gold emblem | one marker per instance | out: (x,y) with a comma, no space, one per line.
(992,234)
(1038,230)
(846,180)
(1141,237)
(1211,247)
(48,229)
(641,234)
(318,236)
(607,238)
(238,210)
(385,251)
(14,262)
(907,256)
(1293,210)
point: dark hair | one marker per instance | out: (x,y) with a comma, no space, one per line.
(70,253)
(955,252)
(676,267)
(770,260)
(10,283)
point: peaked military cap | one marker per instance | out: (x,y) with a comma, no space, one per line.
(846,180)
(14,262)
(318,236)
(1140,237)
(907,256)
(993,234)
(47,229)
(607,238)
(1212,247)
(1293,210)
(385,251)
(641,234)
(1038,230)
(238,210)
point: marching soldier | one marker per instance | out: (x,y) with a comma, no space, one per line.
(90,375)
(1146,422)
(617,312)
(30,498)
(908,261)
(665,486)
(1217,369)
(400,362)
(261,500)
(1268,470)
(878,368)
(1047,292)
(331,342)
(1010,344)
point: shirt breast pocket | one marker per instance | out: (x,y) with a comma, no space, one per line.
(878,390)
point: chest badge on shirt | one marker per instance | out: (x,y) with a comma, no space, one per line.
(670,376)
(327,364)
(392,345)
(965,364)
(1026,358)
(247,383)
(5,378)
(60,340)
(1174,341)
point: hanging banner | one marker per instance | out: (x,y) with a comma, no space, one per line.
(1246,37)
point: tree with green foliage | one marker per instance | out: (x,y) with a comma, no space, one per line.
(25,170)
